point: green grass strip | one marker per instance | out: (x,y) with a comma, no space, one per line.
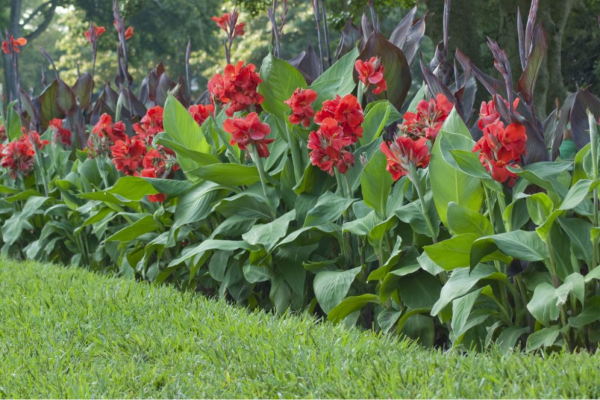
(70,333)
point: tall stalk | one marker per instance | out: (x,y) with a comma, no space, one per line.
(414,177)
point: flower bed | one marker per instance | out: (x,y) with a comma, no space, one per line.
(324,197)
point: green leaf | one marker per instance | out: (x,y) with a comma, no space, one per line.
(14,122)
(448,184)
(456,252)
(376,184)
(522,245)
(508,338)
(170,187)
(207,245)
(580,232)
(279,80)
(350,305)
(461,220)
(246,204)
(269,234)
(329,208)
(135,230)
(461,308)
(337,80)
(419,290)
(196,204)
(543,338)
(228,174)
(331,287)
(540,207)
(469,163)
(386,319)
(461,282)
(378,115)
(182,128)
(578,193)
(590,313)
(455,124)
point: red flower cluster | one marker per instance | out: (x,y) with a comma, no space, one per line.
(12,45)
(301,105)
(347,112)
(228,22)
(104,134)
(428,119)
(371,73)
(60,133)
(501,147)
(200,112)
(404,151)
(18,156)
(150,125)
(329,147)
(249,131)
(158,164)
(128,154)
(236,87)
(97,30)
(488,113)
(128,31)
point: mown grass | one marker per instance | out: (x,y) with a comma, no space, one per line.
(69,333)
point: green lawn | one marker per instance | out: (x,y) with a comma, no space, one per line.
(69,333)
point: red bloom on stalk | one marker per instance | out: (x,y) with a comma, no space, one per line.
(18,157)
(201,112)
(12,45)
(347,112)
(488,114)
(105,128)
(329,149)
(500,148)
(128,31)
(402,152)
(35,139)
(428,119)
(301,105)
(236,87)
(226,21)
(150,125)
(60,133)
(128,155)
(371,73)
(249,131)
(98,31)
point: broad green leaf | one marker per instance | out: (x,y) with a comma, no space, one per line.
(413,215)
(522,245)
(590,313)
(393,259)
(407,264)
(461,309)
(337,80)
(331,287)
(170,187)
(228,174)
(462,220)
(223,245)
(580,233)
(386,319)
(279,80)
(182,128)
(578,193)
(245,204)
(349,305)
(449,184)
(543,338)
(196,204)
(462,281)
(419,290)
(135,230)
(376,184)
(329,208)
(378,115)
(268,234)
(456,252)
(508,338)
(540,207)
(455,124)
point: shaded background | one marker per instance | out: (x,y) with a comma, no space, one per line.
(163,27)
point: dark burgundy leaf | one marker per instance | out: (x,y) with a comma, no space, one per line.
(138,108)
(165,84)
(28,106)
(83,89)
(366,29)
(583,101)
(535,58)
(397,70)
(414,38)
(48,105)
(400,33)
(350,36)
(563,119)
(492,85)
(435,86)
(521,39)
(307,62)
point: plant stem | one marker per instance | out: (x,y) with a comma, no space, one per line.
(263,177)
(414,177)
(294,149)
(360,92)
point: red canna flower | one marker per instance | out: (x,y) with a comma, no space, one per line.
(150,125)
(402,152)
(227,21)
(249,131)
(60,133)
(236,87)
(328,148)
(128,155)
(201,112)
(501,147)
(371,73)
(347,112)
(96,33)
(128,31)
(12,45)
(35,139)
(18,157)
(488,113)
(154,198)
(428,119)
(301,105)
(105,127)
